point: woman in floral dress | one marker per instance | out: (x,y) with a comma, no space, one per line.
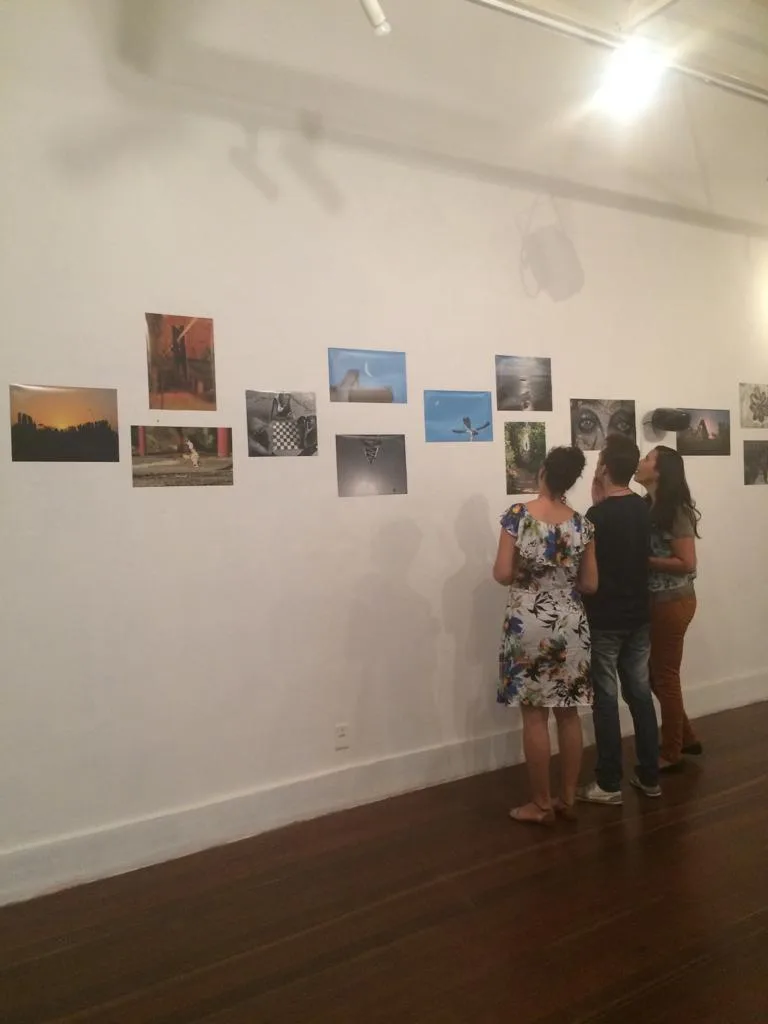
(546,557)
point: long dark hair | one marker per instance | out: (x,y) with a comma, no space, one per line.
(673,494)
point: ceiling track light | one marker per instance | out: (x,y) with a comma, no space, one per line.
(376,16)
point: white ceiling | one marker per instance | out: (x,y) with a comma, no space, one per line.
(728,37)
(455,85)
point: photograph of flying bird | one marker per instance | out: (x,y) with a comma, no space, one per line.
(473,432)
(445,410)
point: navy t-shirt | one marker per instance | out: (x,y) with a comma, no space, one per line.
(622,545)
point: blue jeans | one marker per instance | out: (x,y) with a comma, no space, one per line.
(623,656)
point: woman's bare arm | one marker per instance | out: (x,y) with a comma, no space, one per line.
(505,567)
(586,582)
(682,561)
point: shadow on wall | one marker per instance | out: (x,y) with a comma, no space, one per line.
(392,647)
(473,611)
(153,60)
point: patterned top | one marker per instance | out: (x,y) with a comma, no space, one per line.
(550,554)
(661,547)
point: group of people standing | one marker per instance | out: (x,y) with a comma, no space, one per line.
(599,605)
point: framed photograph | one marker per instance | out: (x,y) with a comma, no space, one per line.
(181,456)
(523,384)
(708,434)
(52,424)
(281,423)
(753,406)
(593,419)
(371,465)
(525,448)
(180,362)
(464,416)
(756,463)
(362,375)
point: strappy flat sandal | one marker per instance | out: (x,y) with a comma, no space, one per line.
(545,817)
(566,811)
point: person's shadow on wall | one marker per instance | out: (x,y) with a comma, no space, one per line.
(473,612)
(392,642)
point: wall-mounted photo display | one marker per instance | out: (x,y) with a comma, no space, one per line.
(281,423)
(708,434)
(593,419)
(753,405)
(523,384)
(53,424)
(451,416)
(755,463)
(525,448)
(362,375)
(180,362)
(181,456)
(371,465)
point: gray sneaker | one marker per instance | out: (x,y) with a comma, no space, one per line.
(652,791)
(593,794)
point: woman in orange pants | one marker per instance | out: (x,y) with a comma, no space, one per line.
(675,519)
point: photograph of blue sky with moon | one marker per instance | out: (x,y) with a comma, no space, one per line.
(361,375)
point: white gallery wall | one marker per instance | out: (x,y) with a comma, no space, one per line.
(175,661)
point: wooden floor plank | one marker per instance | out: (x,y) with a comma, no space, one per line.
(431,907)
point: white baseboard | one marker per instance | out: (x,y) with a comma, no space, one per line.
(69,860)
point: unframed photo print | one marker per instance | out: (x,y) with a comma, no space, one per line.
(52,424)
(755,463)
(371,465)
(363,375)
(523,384)
(708,434)
(180,360)
(463,416)
(181,456)
(281,423)
(753,406)
(525,448)
(593,419)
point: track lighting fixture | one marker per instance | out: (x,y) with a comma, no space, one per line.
(377,17)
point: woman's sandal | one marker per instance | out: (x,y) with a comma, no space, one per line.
(546,815)
(566,811)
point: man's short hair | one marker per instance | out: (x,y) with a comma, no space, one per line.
(620,456)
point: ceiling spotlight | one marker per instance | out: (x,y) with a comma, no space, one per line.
(631,79)
(377,17)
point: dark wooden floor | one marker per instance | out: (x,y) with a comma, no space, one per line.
(433,908)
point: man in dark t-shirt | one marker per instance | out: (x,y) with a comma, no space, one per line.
(619,618)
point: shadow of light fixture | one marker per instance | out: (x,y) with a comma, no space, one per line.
(548,258)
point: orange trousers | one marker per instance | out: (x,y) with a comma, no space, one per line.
(669,622)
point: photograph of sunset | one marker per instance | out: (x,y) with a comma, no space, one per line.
(50,424)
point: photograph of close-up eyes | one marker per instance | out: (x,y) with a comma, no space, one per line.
(593,419)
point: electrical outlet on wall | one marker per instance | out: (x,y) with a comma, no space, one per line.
(343,736)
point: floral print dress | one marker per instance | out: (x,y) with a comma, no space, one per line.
(545,646)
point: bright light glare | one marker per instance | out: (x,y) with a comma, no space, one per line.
(631,79)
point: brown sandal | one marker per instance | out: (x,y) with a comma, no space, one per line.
(545,817)
(564,810)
